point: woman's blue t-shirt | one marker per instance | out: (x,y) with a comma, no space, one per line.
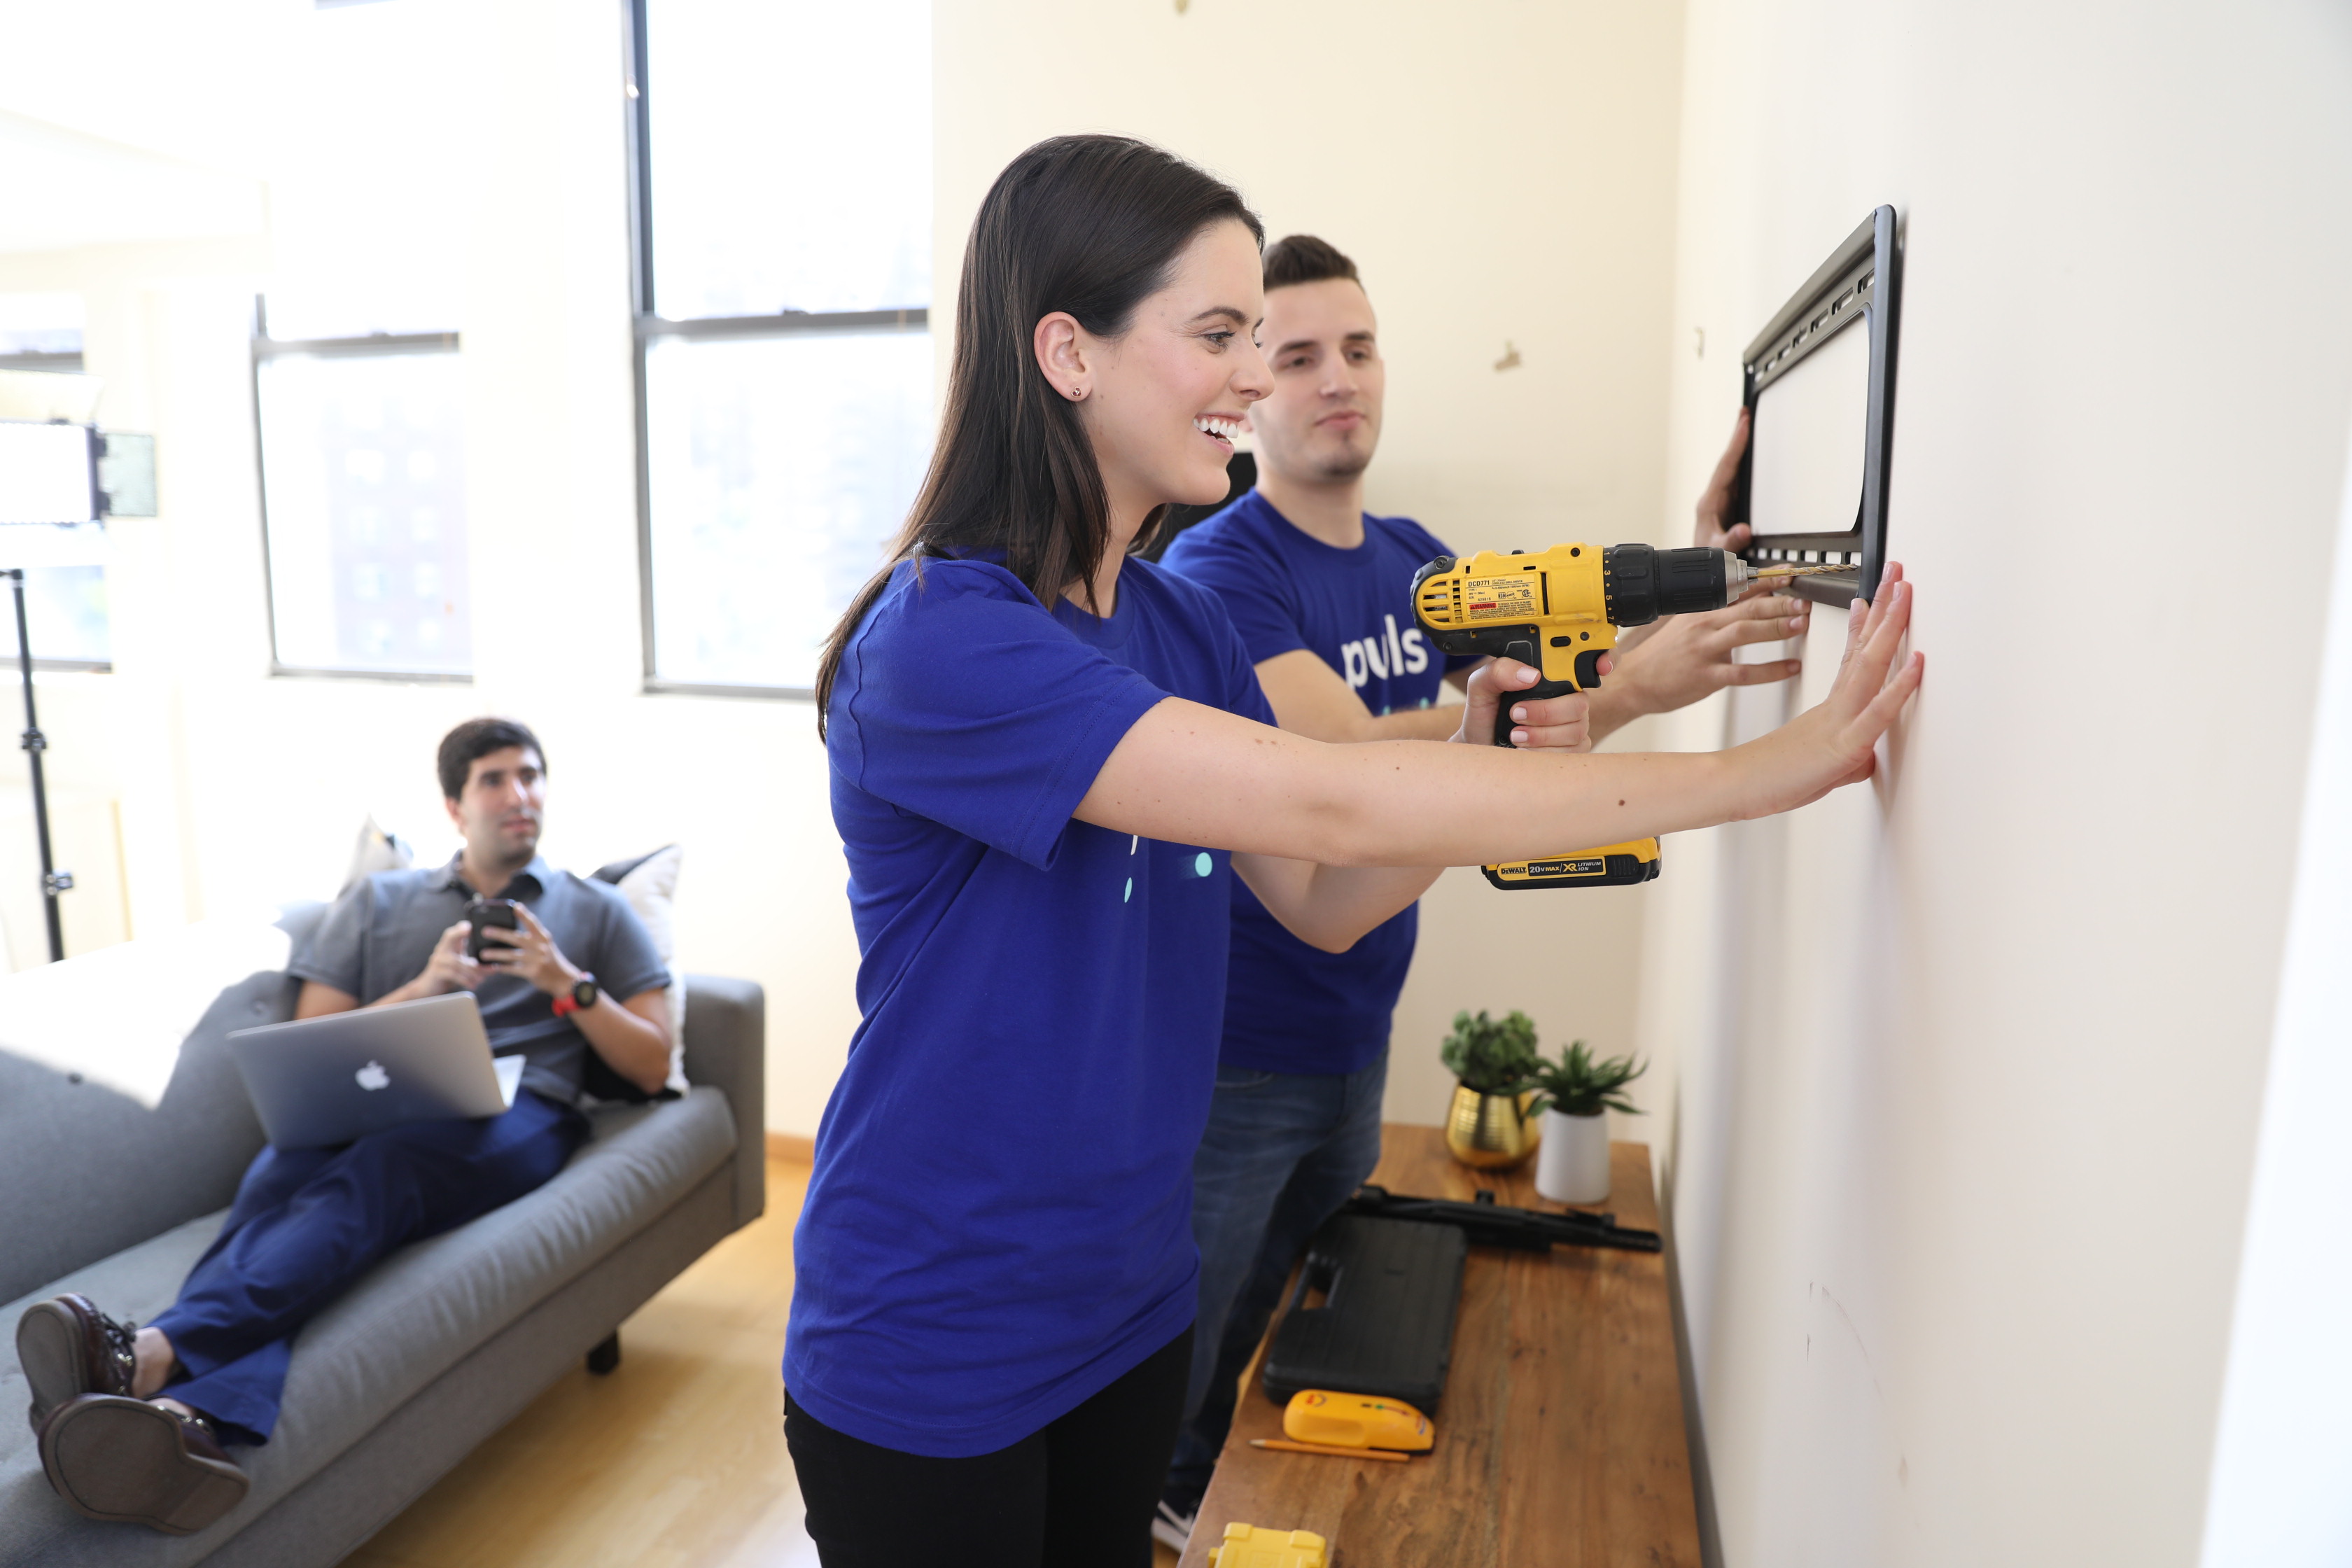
(1289,1007)
(998,1221)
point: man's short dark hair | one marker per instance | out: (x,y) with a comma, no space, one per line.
(1303,258)
(479,737)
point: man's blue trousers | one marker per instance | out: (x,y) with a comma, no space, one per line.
(308,1222)
(1282,1153)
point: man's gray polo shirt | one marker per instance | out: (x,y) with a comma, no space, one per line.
(380,935)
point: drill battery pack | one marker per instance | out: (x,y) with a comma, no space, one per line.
(1610,866)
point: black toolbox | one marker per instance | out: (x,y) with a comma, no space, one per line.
(1386,1326)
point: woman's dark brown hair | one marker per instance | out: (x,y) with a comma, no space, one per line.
(1089,225)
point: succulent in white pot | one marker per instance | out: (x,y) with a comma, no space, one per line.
(1576,1095)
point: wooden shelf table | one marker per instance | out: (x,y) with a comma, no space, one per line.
(1559,1440)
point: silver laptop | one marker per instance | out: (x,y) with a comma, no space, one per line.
(317,1082)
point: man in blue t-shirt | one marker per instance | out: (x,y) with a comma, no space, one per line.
(1318,590)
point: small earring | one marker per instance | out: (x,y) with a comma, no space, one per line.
(1076,392)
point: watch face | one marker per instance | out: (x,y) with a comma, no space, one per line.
(584,994)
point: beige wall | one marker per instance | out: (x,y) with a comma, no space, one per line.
(1969,1061)
(1503,175)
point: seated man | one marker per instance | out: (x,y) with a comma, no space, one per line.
(133,1421)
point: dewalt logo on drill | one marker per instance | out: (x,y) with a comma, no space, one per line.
(1500,598)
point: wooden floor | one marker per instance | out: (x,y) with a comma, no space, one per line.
(675,1460)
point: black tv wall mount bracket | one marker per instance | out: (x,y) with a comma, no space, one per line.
(1859,287)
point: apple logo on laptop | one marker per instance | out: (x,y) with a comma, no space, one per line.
(372,1076)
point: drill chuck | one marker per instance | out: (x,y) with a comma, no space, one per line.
(1642,583)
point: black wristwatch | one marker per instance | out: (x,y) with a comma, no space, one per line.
(584,994)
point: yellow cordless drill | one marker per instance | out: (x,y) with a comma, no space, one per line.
(1559,610)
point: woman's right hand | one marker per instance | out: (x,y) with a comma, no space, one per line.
(1836,742)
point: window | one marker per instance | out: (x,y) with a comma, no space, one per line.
(65,618)
(363,504)
(357,380)
(782,250)
(65,574)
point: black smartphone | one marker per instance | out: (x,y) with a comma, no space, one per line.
(484,913)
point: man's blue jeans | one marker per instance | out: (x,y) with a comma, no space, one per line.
(308,1222)
(1282,1153)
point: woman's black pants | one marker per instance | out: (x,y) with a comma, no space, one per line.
(1078,1493)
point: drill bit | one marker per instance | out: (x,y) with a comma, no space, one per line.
(1738,572)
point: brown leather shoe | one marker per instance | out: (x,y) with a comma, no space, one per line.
(127,1461)
(68,1347)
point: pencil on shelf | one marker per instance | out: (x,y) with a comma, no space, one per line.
(1287,1448)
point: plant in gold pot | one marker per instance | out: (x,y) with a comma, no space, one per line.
(1489,1126)
(1575,1095)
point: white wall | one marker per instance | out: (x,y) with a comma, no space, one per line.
(1969,1061)
(2278,1498)
(1501,173)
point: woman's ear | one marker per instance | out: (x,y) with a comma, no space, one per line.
(1060,348)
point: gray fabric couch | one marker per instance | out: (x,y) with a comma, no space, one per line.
(442,1344)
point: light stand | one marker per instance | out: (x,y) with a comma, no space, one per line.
(53,882)
(56,467)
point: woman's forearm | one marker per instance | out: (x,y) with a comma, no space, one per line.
(1193,774)
(1474,805)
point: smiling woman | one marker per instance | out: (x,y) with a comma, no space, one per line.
(1055,254)
(1049,763)
(1162,399)
(985,1327)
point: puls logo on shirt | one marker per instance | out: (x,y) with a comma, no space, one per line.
(1383,656)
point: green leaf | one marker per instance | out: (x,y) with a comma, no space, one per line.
(1580,1085)
(1492,1057)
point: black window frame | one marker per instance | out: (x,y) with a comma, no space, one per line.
(648,327)
(372,345)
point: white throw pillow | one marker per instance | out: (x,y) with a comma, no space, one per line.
(651,887)
(375,851)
